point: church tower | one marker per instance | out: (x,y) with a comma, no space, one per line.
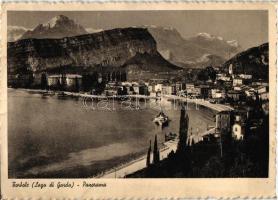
(231,69)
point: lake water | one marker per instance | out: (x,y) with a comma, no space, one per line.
(52,137)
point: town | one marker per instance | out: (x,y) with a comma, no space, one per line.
(239,99)
(207,103)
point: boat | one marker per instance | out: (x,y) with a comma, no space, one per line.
(170,136)
(161,119)
(62,95)
(48,93)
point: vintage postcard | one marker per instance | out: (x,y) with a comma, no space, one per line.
(138,100)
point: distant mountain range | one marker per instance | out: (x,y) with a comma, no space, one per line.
(58,27)
(15,32)
(198,51)
(195,52)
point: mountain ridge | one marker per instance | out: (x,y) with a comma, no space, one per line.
(252,61)
(185,52)
(107,50)
(57,27)
(189,50)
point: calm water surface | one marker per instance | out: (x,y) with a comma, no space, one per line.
(51,137)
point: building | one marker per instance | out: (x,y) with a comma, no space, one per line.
(72,78)
(238,128)
(204,91)
(233,94)
(195,92)
(189,87)
(250,93)
(238,131)
(68,81)
(135,88)
(264,96)
(178,87)
(192,90)
(237,81)
(263,83)
(112,89)
(223,122)
(260,89)
(245,76)
(168,89)
(143,89)
(237,88)
(217,94)
(54,80)
(223,77)
(158,87)
(151,88)
(231,71)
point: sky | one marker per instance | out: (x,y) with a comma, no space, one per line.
(248,27)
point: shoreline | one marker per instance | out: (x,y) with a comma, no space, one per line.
(197,102)
(122,165)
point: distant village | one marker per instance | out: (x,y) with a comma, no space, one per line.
(225,88)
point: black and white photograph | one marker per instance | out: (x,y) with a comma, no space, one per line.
(138,94)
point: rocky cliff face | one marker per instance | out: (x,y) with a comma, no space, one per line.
(107,49)
(252,61)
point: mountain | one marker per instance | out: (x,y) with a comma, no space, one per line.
(252,61)
(107,50)
(195,52)
(198,51)
(15,32)
(58,27)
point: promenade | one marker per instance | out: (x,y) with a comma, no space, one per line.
(202,102)
(139,163)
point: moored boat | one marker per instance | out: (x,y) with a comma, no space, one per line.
(161,119)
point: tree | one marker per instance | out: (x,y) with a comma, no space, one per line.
(183,131)
(43,81)
(77,88)
(149,154)
(155,152)
(211,73)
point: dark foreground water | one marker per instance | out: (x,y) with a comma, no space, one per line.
(52,137)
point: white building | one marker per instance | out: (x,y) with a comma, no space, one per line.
(223,77)
(231,69)
(168,89)
(217,94)
(67,79)
(189,88)
(237,131)
(237,81)
(260,89)
(245,76)
(158,87)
